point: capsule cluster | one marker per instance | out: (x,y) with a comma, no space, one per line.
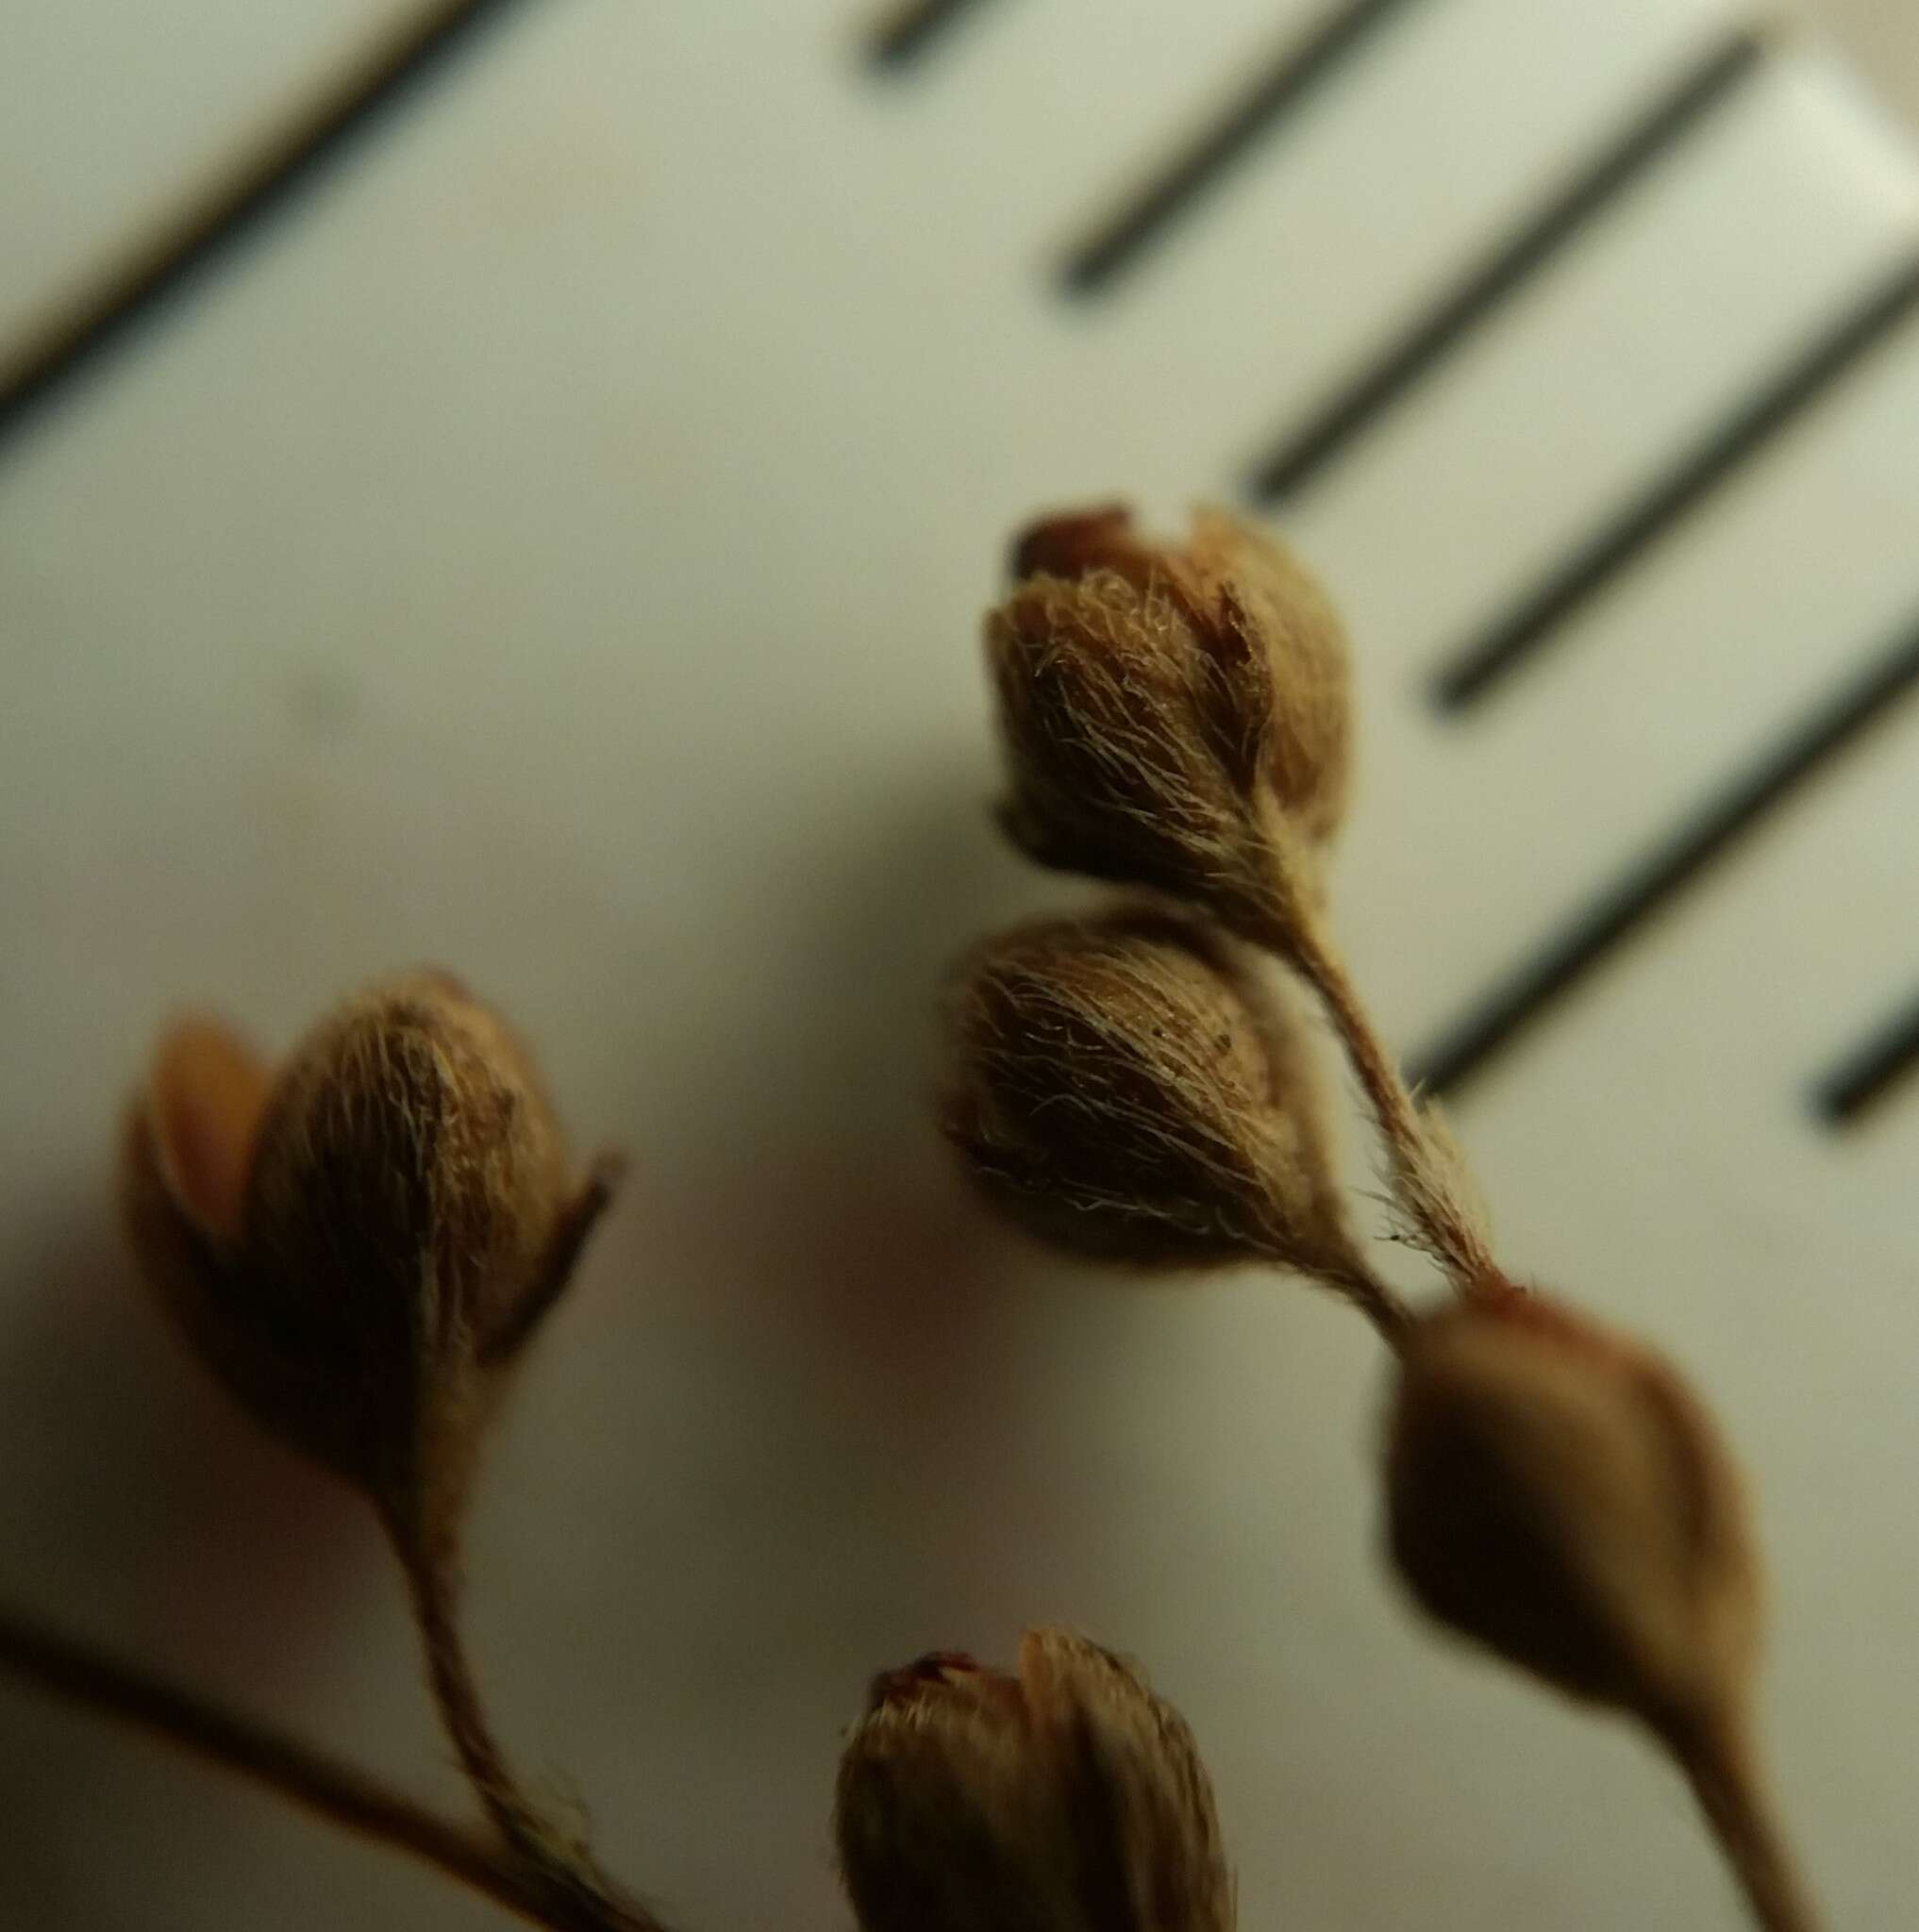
(1137,1087)
(360,1241)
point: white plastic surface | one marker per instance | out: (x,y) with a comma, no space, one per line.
(556,552)
(114,113)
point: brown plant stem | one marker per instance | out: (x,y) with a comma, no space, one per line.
(341,1792)
(1379,1079)
(1456,1239)
(554,1862)
(1719,1762)
(432,1592)
(1352,1281)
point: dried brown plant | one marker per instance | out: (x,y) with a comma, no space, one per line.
(361,1241)
(1174,718)
(1064,1797)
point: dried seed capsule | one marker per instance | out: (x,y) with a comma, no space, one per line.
(1064,1797)
(356,1244)
(1120,1088)
(1557,1493)
(1170,713)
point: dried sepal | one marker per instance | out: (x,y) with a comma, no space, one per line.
(206,1092)
(1121,1087)
(351,1242)
(1167,709)
(1558,1493)
(1062,1797)
(186,1141)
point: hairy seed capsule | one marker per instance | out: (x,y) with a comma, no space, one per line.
(1120,1088)
(1557,1493)
(1169,711)
(356,1242)
(1062,1797)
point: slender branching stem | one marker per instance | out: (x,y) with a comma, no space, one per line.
(1444,1223)
(340,1792)
(555,1862)
(1352,1279)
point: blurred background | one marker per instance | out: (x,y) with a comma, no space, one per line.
(513,485)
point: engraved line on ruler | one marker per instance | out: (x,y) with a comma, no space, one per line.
(1867,1074)
(1519,633)
(1604,177)
(260,185)
(1709,833)
(906,34)
(1118,242)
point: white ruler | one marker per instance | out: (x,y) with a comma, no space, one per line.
(550,542)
